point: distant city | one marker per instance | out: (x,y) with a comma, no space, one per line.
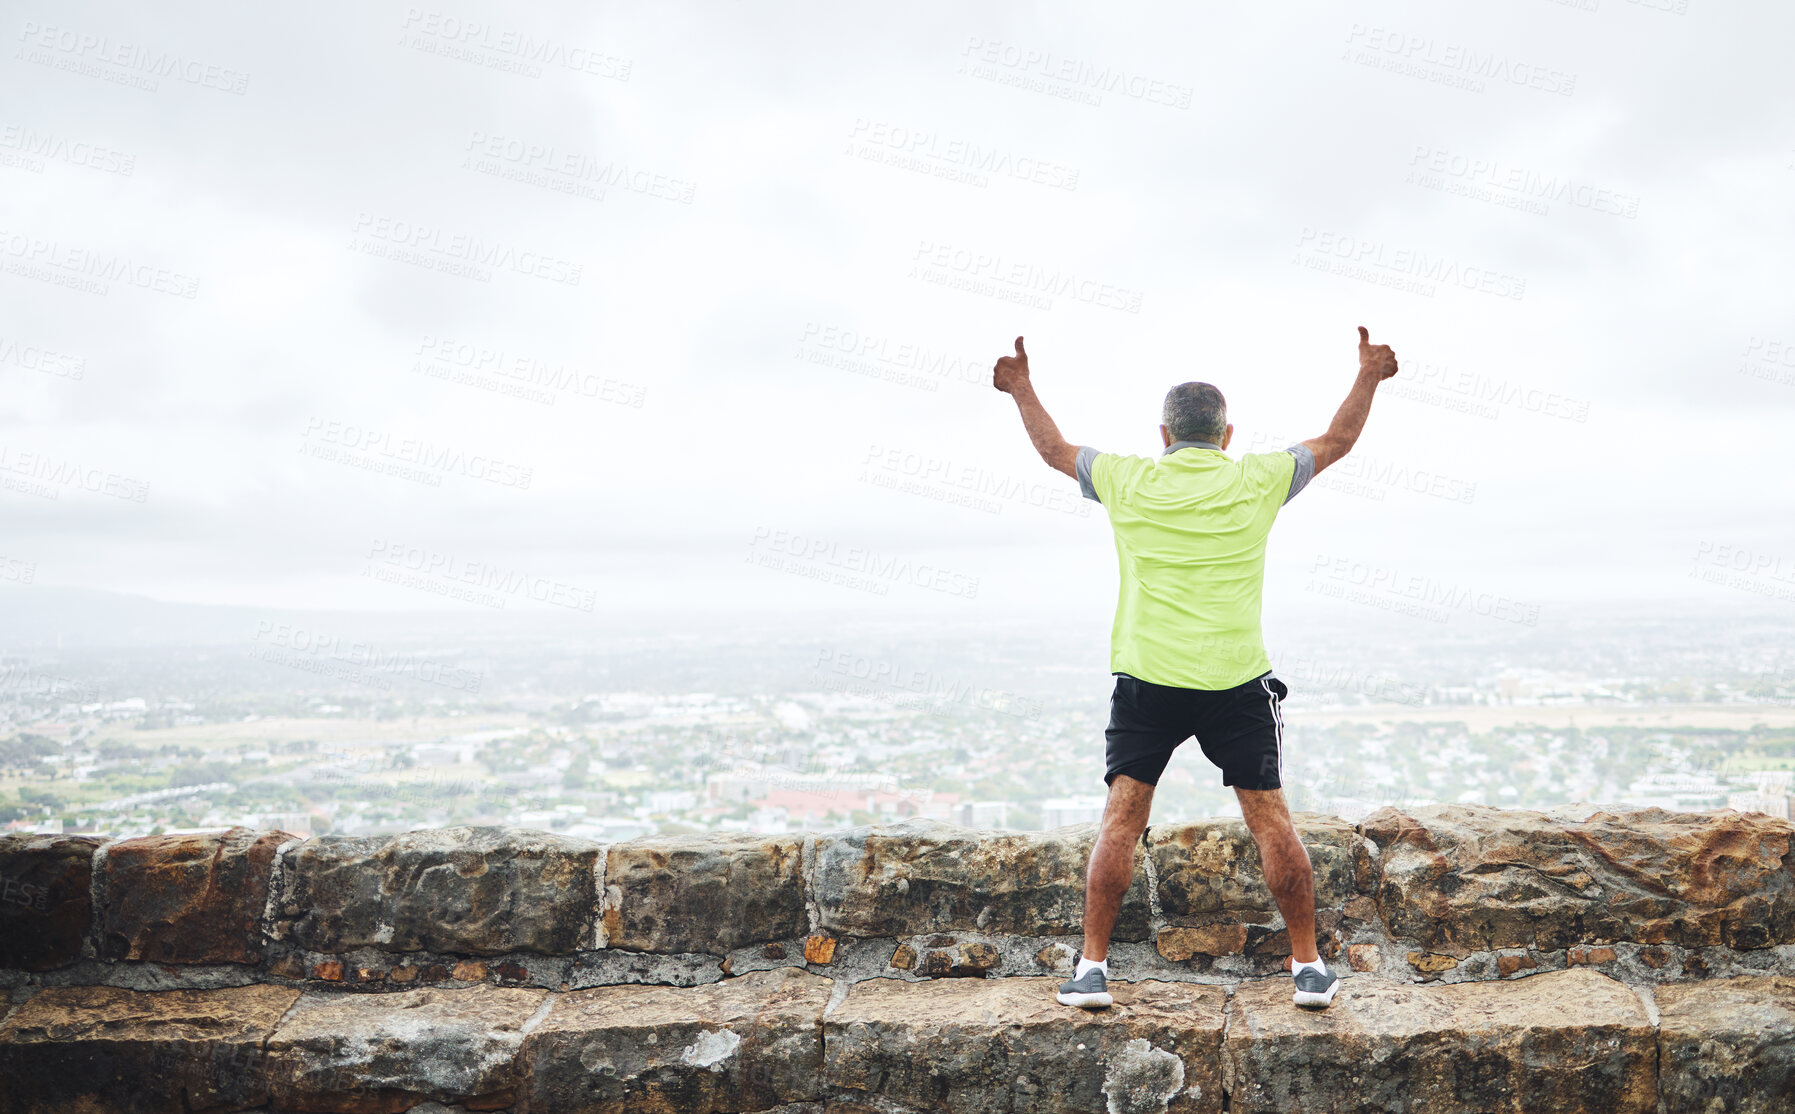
(312,728)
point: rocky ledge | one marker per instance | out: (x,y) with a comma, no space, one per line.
(1497,960)
(788,1040)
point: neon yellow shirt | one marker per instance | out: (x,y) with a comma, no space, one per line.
(1190,531)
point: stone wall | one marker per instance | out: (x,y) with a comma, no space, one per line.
(1496,960)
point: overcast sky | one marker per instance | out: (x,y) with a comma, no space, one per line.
(692,307)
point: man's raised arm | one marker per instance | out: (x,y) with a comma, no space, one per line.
(1376,364)
(1011,376)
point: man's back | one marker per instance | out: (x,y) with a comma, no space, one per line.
(1190,529)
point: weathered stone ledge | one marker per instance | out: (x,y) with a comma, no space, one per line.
(914,959)
(1448,894)
(788,1040)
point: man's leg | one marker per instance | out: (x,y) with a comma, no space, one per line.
(1287,871)
(1112,861)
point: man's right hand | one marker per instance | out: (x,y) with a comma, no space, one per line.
(1376,359)
(1376,364)
(1011,371)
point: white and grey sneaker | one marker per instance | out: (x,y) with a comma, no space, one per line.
(1090,990)
(1315,988)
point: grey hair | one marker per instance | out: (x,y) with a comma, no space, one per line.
(1196,412)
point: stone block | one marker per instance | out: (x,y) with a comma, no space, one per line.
(46,899)
(384,1053)
(1179,944)
(709,893)
(748,1043)
(1002,1045)
(466,891)
(924,876)
(1212,867)
(1727,1045)
(1571,1042)
(191,898)
(103,1050)
(1470,878)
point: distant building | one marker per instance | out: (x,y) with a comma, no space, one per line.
(807,809)
(984,814)
(1057,812)
(930,803)
(609,829)
(441,754)
(1771,804)
(299,823)
(1676,792)
(747,783)
(670,800)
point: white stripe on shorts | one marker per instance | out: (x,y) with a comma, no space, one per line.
(1277,719)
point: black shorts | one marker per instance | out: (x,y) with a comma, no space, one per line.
(1240,730)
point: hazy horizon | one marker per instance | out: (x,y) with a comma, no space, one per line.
(466,309)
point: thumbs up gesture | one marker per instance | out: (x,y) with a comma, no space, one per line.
(1010,371)
(1374,359)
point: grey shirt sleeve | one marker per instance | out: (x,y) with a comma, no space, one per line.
(1087,455)
(1305,469)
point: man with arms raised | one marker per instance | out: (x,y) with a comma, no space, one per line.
(1186,649)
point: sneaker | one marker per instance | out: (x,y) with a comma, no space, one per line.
(1315,989)
(1091,991)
